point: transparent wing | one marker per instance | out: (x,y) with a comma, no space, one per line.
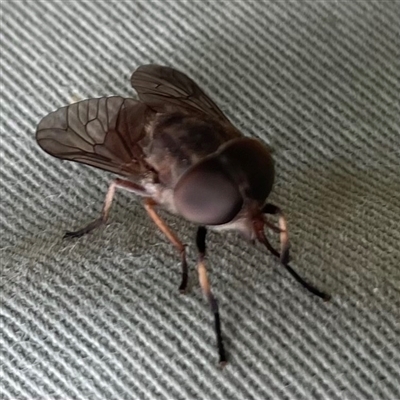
(103,133)
(162,87)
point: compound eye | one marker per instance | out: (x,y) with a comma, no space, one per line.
(206,195)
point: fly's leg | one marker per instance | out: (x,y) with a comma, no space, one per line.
(284,255)
(284,237)
(206,288)
(150,208)
(117,183)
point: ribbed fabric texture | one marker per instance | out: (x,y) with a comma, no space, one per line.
(100,317)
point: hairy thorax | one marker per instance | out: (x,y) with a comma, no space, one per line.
(178,141)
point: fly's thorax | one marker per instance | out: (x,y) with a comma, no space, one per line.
(162,195)
(178,141)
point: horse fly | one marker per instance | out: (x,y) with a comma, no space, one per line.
(177,150)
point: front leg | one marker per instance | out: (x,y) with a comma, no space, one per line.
(117,183)
(206,288)
(283,231)
(284,254)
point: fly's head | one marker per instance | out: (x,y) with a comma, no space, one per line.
(228,189)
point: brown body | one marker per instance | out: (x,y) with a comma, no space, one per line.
(173,143)
(176,149)
(177,141)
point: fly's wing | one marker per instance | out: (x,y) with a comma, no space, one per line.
(103,133)
(162,87)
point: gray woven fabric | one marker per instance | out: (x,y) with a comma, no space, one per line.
(101,317)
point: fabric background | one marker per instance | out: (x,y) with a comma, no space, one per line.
(101,317)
